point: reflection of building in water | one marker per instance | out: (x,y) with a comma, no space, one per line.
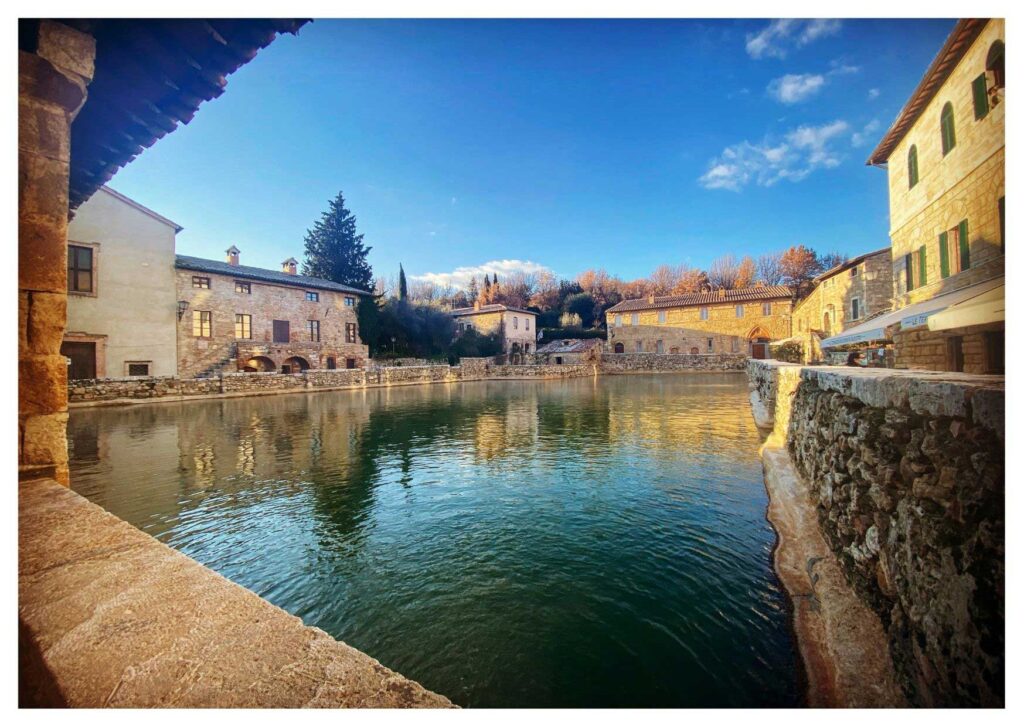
(508,430)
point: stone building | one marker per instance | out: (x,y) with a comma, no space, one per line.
(518,327)
(845,296)
(121,303)
(569,351)
(721,321)
(945,160)
(236,317)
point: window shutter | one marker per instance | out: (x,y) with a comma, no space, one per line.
(965,247)
(908,263)
(922,261)
(944,254)
(980,89)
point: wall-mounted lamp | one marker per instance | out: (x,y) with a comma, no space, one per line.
(182,307)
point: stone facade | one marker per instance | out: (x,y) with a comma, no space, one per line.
(264,303)
(518,327)
(980,348)
(906,470)
(55,66)
(624,363)
(701,323)
(959,192)
(864,283)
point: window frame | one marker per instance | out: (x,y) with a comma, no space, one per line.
(313,329)
(856,309)
(913,172)
(662,316)
(93,249)
(128,369)
(198,280)
(205,324)
(312,296)
(350,301)
(245,320)
(351,333)
(243,287)
(704,313)
(947,128)
(740,311)
(766,308)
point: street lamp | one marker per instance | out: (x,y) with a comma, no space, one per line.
(182,307)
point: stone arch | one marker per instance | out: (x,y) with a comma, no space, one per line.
(260,363)
(294,365)
(757,332)
(619,348)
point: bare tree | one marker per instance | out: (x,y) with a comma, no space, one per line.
(723,272)
(769,268)
(663,280)
(691,280)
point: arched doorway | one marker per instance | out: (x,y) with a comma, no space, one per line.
(619,348)
(759,339)
(259,363)
(294,365)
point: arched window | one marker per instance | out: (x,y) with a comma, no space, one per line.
(995,66)
(948,129)
(912,165)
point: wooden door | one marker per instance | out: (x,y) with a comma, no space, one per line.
(282,332)
(83,359)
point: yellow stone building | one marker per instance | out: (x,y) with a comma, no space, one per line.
(721,321)
(844,296)
(945,159)
(518,327)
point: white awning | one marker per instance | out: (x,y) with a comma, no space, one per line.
(988,307)
(913,316)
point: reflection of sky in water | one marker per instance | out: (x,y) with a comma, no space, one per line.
(566,543)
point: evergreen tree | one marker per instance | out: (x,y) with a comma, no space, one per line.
(334,251)
(403,289)
(485,297)
(473,290)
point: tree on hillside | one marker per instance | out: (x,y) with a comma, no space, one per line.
(582,305)
(403,288)
(799,265)
(769,268)
(473,293)
(485,293)
(335,251)
(746,273)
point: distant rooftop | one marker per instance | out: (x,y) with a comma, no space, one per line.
(887,250)
(760,292)
(490,308)
(246,272)
(569,345)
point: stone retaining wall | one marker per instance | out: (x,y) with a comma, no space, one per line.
(906,471)
(622,363)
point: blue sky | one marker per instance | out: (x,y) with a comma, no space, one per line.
(568,144)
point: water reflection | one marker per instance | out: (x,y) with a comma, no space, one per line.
(592,542)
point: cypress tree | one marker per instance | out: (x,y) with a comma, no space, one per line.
(403,290)
(335,251)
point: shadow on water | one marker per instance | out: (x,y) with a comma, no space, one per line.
(588,542)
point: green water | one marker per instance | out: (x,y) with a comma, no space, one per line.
(587,543)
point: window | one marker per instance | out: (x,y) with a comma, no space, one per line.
(954,250)
(995,68)
(955,353)
(995,352)
(662,316)
(618,320)
(735,344)
(332,363)
(660,347)
(349,301)
(711,345)
(639,346)
(243,287)
(855,309)
(137,368)
(80,277)
(704,313)
(200,282)
(313,328)
(739,311)
(908,272)
(979,92)
(282,331)
(922,264)
(527,321)
(947,128)
(515,323)
(312,296)
(202,323)
(853,271)
(243,326)
(634,319)
(766,309)
(350,333)
(912,166)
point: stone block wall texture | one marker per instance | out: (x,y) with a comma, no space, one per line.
(907,470)
(54,71)
(920,348)
(966,183)
(620,363)
(266,303)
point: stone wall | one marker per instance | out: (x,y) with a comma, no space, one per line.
(920,348)
(623,363)
(906,470)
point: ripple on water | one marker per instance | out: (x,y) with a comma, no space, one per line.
(569,543)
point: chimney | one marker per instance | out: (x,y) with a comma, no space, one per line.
(650,299)
(721,292)
(232,253)
(290,266)
(476,304)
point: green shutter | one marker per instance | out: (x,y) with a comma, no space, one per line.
(944,254)
(908,263)
(922,262)
(965,247)
(912,166)
(980,90)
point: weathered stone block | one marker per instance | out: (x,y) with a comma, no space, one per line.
(42,384)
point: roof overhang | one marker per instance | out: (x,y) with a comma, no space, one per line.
(986,308)
(964,34)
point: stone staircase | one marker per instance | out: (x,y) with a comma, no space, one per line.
(217,366)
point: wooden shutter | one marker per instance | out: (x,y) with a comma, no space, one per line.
(979,88)
(282,331)
(922,261)
(965,247)
(944,254)
(908,262)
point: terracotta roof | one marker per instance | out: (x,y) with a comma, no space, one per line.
(246,272)
(151,75)
(763,292)
(956,45)
(852,262)
(490,308)
(569,345)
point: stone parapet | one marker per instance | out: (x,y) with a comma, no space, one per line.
(623,363)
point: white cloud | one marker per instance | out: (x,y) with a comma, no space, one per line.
(862,137)
(796,155)
(874,93)
(460,277)
(793,88)
(776,40)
